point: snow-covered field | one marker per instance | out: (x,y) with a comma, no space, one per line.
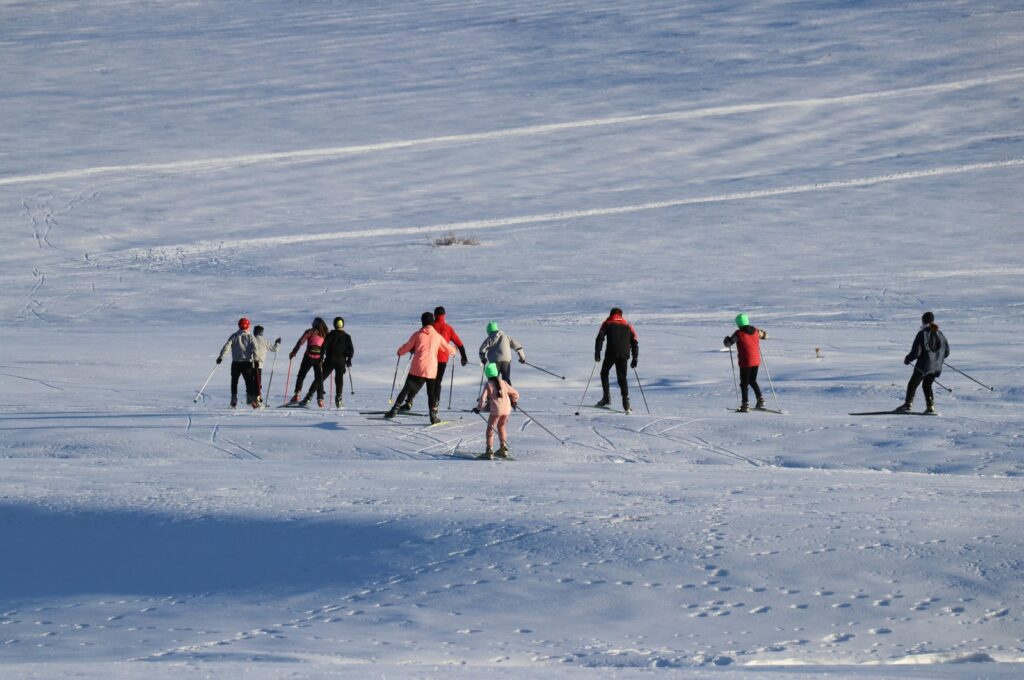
(834,169)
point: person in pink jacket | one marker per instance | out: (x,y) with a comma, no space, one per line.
(499,398)
(426,345)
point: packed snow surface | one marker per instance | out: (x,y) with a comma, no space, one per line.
(832,169)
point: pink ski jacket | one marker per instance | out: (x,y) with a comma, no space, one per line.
(490,401)
(427,347)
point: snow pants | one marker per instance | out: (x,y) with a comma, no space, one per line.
(411,388)
(621,376)
(497,424)
(318,376)
(339,381)
(925,381)
(246,371)
(436,386)
(748,379)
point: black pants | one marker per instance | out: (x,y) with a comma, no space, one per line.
(924,381)
(621,376)
(411,388)
(505,370)
(246,371)
(436,386)
(339,381)
(748,378)
(318,376)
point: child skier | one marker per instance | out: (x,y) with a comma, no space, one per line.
(622,342)
(748,346)
(930,349)
(497,349)
(426,345)
(261,347)
(499,398)
(314,339)
(242,350)
(338,351)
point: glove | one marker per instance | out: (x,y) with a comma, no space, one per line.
(632,364)
(597,356)
(728,341)
(219,360)
(278,341)
(348,362)
(464,360)
(476,410)
(522,360)
(291,355)
(515,404)
(906,361)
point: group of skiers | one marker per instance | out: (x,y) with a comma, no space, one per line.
(431,346)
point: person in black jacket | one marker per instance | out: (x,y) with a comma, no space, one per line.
(337,353)
(622,342)
(929,350)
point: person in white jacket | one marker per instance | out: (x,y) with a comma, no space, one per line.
(243,348)
(262,346)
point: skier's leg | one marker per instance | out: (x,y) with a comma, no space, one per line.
(236,371)
(339,385)
(926,385)
(606,369)
(912,385)
(304,367)
(503,432)
(318,377)
(249,375)
(505,369)
(622,377)
(744,385)
(434,393)
(752,379)
(492,425)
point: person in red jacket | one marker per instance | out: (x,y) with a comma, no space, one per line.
(748,346)
(434,387)
(622,342)
(426,345)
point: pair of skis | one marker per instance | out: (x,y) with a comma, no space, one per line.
(379,415)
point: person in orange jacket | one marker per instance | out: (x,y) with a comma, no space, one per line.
(450,337)
(426,346)
(498,398)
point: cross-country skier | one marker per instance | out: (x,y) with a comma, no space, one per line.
(426,346)
(622,342)
(261,347)
(498,348)
(498,398)
(930,349)
(337,351)
(748,348)
(314,340)
(242,351)
(451,337)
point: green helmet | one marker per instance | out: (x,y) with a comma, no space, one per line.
(491,370)
(492,327)
(742,320)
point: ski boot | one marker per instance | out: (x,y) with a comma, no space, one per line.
(744,407)
(294,399)
(234,401)
(760,403)
(625,405)
(905,407)
(486,455)
(320,403)
(391,413)
(407,406)
(305,402)
(606,400)
(337,403)
(434,419)
(929,408)
(502,452)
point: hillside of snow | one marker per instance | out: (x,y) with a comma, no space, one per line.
(832,169)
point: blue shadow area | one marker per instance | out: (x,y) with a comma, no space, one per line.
(53,553)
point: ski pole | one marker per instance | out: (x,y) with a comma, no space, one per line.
(641,386)
(585,389)
(288,380)
(970,378)
(451,386)
(734,382)
(769,375)
(271,378)
(394,381)
(540,425)
(544,369)
(199,394)
(948,389)
(481,388)
(351,382)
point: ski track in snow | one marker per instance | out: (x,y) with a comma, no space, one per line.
(230,162)
(192,249)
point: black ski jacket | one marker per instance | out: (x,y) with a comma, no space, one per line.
(621,337)
(338,350)
(930,349)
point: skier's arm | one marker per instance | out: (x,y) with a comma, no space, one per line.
(517,348)
(730,340)
(409,345)
(483,350)
(762,334)
(224,349)
(298,345)
(915,349)
(351,351)
(634,348)
(600,341)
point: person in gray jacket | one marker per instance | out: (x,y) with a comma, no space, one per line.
(261,347)
(498,348)
(243,351)
(929,350)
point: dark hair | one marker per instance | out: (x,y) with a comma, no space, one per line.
(319,327)
(927,317)
(615,310)
(258,331)
(497,384)
(439,311)
(426,318)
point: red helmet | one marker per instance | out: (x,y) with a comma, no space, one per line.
(243,324)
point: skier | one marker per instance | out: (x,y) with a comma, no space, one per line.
(314,339)
(498,398)
(338,351)
(242,350)
(930,349)
(748,347)
(498,348)
(261,347)
(426,345)
(622,342)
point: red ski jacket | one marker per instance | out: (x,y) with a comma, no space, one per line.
(449,335)
(748,345)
